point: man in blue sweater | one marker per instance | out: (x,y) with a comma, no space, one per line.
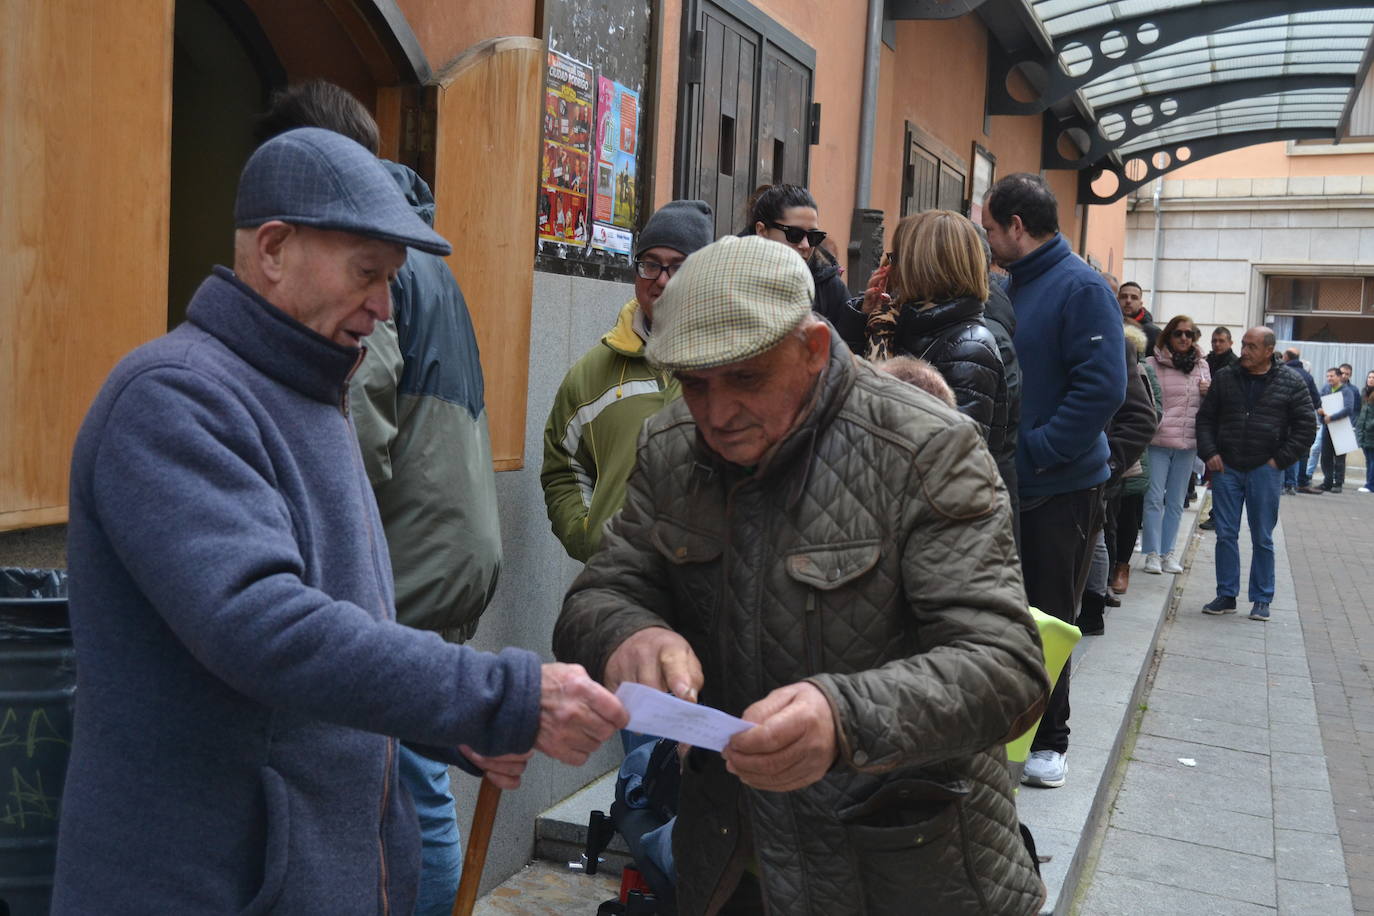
(1071,348)
(243,680)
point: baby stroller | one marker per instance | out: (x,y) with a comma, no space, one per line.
(645,808)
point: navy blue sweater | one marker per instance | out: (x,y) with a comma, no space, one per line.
(238,660)
(1070,346)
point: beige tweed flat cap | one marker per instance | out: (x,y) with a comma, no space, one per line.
(730,301)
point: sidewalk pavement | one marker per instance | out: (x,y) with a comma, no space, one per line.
(1225,805)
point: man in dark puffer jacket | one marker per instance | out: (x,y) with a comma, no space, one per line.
(1255,421)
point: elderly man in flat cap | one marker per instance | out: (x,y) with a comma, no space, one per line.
(243,680)
(826,552)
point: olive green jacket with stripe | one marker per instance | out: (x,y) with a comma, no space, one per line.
(593,428)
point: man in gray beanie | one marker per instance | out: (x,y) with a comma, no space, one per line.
(589,440)
(243,679)
(825,552)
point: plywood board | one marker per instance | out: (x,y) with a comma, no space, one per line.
(485,174)
(85,120)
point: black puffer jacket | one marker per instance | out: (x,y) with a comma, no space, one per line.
(1279,427)
(1001,321)
(832,300)
(953,337)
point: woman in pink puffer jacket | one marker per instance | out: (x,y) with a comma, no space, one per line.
(1184,378)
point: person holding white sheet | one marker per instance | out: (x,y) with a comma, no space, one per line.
(1333,465)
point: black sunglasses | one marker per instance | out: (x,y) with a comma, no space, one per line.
(1184,332)
(794,234)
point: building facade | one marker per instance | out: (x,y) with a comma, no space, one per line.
(1280,234)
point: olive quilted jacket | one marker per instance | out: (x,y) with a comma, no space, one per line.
(870,553)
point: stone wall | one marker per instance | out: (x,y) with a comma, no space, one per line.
(1220,236)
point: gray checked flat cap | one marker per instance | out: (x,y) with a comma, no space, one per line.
(317,178)
(730,301)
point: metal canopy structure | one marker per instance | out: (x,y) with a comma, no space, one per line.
(1135,88)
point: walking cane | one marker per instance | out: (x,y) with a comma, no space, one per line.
(479,837)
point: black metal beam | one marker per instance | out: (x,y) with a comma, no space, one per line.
(1198,148)
(1185,102)
(1343,127)
(930,9)
(1170,27)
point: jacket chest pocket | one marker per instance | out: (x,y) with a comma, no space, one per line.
(694,566)
(822,570)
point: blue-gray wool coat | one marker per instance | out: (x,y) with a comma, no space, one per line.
(241,679)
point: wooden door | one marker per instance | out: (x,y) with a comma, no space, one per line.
(85,99)
(784,121)
(727,125)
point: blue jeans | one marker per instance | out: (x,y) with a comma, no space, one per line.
(1170,469)
(1314,456)
(1292,475)
(1369,468)
(1258,491)
(441,858)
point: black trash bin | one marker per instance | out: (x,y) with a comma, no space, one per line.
(37,693)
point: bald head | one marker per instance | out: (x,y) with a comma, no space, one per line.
(1257,350)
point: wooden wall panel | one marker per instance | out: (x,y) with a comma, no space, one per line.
(485,174)
(85,120)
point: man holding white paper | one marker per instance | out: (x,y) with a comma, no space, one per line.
(1339,404)
(826,553)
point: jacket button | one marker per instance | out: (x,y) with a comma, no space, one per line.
(725,831)
(860,757)
(680,553)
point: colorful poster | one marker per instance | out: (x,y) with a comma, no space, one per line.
(617,144)
(565,174)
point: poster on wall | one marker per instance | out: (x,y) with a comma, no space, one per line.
(984,167)
(565,173)
(617,145)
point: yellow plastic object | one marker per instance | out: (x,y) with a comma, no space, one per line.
(1059,639)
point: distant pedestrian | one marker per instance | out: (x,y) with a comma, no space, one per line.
(1255,421)
(1333,465)
(1222,355)
(1184,378)
(1132,301)
(1296,475)
(1364,434)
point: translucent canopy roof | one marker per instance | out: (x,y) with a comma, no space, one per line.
(1150,75)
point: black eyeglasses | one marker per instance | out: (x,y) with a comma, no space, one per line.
(794,234)
(649,270)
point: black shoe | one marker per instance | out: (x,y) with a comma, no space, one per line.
(1310,490)
(1209,525)
(1111,600)
(1089,619)
(1222,604)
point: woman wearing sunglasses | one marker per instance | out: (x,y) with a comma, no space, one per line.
(787,213)
(1184,378)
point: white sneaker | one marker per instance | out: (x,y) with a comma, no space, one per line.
(1152,564)
(1045,769)
(1169,564)
(1364,490)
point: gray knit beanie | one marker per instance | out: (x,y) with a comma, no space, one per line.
(682,225)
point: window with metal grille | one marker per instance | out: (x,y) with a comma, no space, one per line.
(1339,295)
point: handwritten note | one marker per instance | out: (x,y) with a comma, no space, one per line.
(653,712)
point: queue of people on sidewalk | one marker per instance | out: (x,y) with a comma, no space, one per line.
(827,515)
